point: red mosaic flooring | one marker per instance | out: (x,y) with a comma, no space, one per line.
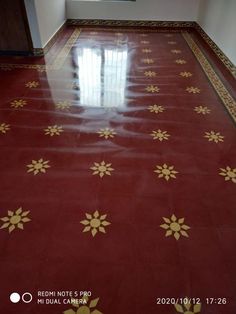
(118,175)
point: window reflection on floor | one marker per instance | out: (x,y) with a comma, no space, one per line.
(102,76)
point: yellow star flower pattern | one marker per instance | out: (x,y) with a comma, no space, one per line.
(175,227)
(150,73)
(63,105)
(202,110)
(172,43)
(185,74)
(193,90)
(15,220)
(214,137)
(143,35)
(32,84)
(180,61)
(102,169)
(156,108)
(144,42)
(160,135)
(95,223)
(107,133)
(18,103)
(176,51)
(38,166)
(84,308)
(166,172)
(120,42)
(146,50)
(229,174)
(188,308)
(4,128)
(93,33)
(53,130)
(118,34)
(152,89)
(148,61)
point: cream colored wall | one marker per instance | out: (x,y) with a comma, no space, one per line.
(45,18)
(218,19)
(164,10)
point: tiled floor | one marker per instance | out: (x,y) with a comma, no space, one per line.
(118,175)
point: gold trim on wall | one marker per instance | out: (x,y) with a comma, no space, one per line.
(217,84)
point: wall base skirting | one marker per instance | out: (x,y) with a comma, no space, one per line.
(40,52)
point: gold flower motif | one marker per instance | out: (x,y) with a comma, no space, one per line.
(175,227)
(193,90)
(102,169)
(53,130)
(15,219)
(201,109)
(150,73)
(32,84)
(4,128)
(84,308)
(185,74)
(143,35)
(120,42)
(144,42)
(152,89)
(63,105)
(160,135)
(146,50)
(106,133)
(166,172)
(214,136)
(93,33)
(148,61)
(172,43)
(176,51)
(95,223)
(118,34)
(18,103)
(156,108)
(229,174)
(38,166)
(188,308)
(180,61)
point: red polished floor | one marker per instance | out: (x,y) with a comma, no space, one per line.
(118,176)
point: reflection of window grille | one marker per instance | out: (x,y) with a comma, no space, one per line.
(102,76)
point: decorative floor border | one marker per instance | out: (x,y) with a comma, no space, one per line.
(217,84)
(125,23)
(61,57)
(57,63)
(161,24)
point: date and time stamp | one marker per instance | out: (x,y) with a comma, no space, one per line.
(192,301)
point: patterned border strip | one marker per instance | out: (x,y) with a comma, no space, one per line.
(231,67)
(61,57)
(133,29)
(219,87)
(83,22)
(10,66)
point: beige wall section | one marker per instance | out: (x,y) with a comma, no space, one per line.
(45,18)
(51,15)
(164,10)
(218,19)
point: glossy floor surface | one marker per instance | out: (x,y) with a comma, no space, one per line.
(118,175)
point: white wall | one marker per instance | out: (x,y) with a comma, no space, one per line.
(218,19)
(45,18)
(163,10)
